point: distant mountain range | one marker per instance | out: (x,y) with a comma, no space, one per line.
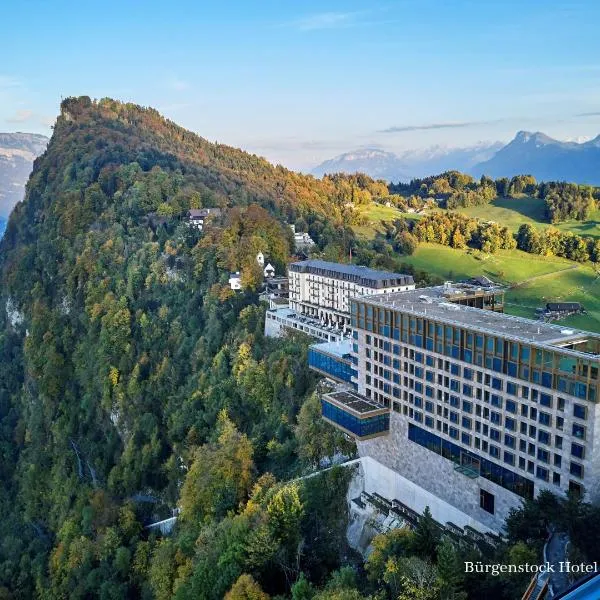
(536,154)
(409,164)
(546,159)
(17,153)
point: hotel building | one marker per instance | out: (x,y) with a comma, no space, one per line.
(321,290)
(319,293)
(477,407)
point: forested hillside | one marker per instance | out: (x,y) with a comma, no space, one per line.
(134,381)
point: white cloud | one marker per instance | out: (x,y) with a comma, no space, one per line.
(327,20)
(8,82)
(177,84)
(20,116)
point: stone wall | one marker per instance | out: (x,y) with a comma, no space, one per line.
(417,467)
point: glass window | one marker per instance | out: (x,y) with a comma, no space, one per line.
(579,431)
(544,437)
(545,419)
(542,473)
(486,501)
(576,469)
(578,450)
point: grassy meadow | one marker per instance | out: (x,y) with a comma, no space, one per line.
(376,213)
(513,212)
(531,280)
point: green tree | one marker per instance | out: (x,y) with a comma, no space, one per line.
(245,588)
(450,571)
(220,476)
(316,439)
(426,536)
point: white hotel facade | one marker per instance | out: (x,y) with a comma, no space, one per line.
(322,290)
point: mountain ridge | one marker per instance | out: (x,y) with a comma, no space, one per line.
(535,153)
(408,164)
(546,158)
(17,153)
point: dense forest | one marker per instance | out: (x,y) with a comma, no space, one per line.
(136,385)
(135,382)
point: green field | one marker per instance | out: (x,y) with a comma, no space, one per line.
(532,280)
(375,213)
(513,212)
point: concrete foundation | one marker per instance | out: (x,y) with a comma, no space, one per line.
(396,467)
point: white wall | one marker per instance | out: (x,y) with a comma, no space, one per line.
(391,485)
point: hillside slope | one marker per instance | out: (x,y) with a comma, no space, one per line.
(127,362)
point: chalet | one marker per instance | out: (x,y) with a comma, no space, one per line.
(269,271)
(198,216)
(301,239)
(563,308)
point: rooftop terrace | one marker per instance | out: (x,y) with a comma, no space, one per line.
(355,403)
(436,303)
(338,349)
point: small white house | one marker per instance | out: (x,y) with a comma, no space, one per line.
(235,281)
(260,259)
(269,271)
(196,217)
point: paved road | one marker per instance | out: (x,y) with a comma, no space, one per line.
(556,552)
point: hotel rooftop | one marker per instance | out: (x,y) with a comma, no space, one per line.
(440,304)
(356,273)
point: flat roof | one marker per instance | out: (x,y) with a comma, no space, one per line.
(355,402)
(338,349)
(434,303)
(355,272)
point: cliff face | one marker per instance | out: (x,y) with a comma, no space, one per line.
(17,153)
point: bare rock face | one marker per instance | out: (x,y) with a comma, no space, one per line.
(17,153)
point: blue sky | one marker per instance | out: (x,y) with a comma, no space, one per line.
(299,82)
